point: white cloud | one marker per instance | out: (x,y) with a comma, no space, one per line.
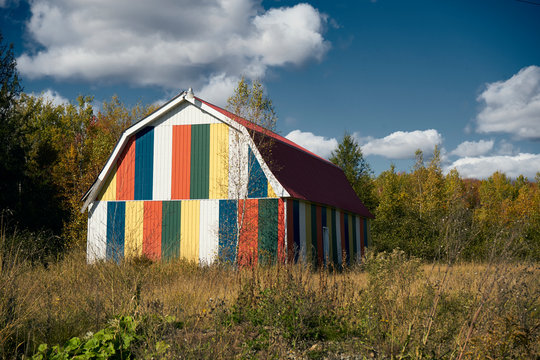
(403,144)
(473,148)
(199,44)
(484,166)
(318,144)
(506,148)
(512,106)
(53,97)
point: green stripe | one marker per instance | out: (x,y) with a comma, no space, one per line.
(268,230)
(170,230)
(200,161)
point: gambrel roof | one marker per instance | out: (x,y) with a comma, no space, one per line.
(292,170)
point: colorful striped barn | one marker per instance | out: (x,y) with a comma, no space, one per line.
(192,180)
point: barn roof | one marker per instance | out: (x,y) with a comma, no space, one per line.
(303,174)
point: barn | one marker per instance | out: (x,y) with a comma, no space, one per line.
(193,180)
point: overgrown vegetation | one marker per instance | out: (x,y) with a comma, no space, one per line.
(395,306)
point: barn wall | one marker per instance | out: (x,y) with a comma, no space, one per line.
(347,234)
(197,230)
(177,162)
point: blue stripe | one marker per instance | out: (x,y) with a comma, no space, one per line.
(144,164)
(228,212)
(296,229)
(257,182)
(116,215)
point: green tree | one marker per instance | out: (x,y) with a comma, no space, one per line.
(348,156)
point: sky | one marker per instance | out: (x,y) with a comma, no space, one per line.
(398,75)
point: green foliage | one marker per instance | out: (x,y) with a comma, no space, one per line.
(348,156)
(113,342)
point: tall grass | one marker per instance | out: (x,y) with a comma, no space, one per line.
(391,307)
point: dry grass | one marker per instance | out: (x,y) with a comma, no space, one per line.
(392,307)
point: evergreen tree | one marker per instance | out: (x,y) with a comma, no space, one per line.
(348,156)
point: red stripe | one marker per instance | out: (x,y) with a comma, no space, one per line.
(248,216)
(290,232)
(125,175)
(152,230)
(181,162)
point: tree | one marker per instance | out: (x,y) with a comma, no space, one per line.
(348,156)
(246,177)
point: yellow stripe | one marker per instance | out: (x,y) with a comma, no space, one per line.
(189,227)
(219,161)
(108,192)
(309,249)
(134,228)
(271,193)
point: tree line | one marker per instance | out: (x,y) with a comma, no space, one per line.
(51,153)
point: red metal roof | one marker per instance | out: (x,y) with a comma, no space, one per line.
(303,174)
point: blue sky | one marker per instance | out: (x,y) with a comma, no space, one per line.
(398,75)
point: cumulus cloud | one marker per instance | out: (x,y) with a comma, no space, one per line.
(473,148)
(484,166)
(53,97)
(403,144)
(318,144)
(201,44)
(512,106)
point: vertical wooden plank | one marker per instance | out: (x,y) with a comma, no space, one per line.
(314,236)
(116,220)
(302,231)
(309,248)
(257,182)
(228,215)
(163,152)
(247,242)
(171,213)
(134,229)
(219,161)
(344,239)
(209,231)
(325,246)
(96,245)
(333,235)
(296,229)
(108,192)
(200,161)
(268,231)
(290,232)
(351,237)
(238,165)
(331,240)
(367,233)
(359,245)
(181,162)
(339,242)
(189,243)
(152,229)
(281,231)
(320,252)
(125,178)
(144,164)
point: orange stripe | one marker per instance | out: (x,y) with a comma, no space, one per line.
(281,232)
(125,178)
(181,162)
(152,230)
(248,215)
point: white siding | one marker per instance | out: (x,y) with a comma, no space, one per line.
(162,163)
(238,165)
(96,244)
(302,228)
(187,114)
(209,231)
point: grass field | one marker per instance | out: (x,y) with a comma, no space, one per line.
(391,307)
